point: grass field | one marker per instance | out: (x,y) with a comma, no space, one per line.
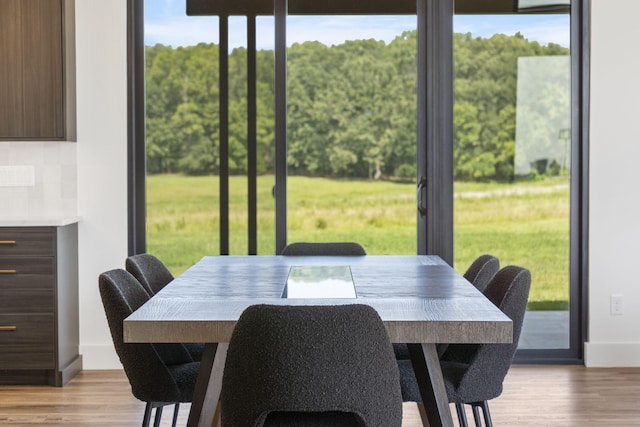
(525,223)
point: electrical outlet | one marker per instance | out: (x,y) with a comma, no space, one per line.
(616,304)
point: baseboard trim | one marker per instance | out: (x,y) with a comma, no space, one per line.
(611,355)
(65,375)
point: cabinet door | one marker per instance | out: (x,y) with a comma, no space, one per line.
(27,341)
(10,69)
(31,69)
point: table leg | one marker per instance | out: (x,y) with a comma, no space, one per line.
(208,386)
(426,365)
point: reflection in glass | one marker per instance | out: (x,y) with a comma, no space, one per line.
(313,281)
(543,116)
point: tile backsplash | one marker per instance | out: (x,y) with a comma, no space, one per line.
(53,189)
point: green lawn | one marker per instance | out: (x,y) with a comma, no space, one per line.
(525,223)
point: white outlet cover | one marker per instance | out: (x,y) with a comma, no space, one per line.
(616,305)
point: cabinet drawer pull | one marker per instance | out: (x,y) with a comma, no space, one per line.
(7,242)
(8,328)
(8,271)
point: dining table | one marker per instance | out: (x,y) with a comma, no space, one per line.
(421,300)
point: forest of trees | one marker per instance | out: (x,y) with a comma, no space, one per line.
(351,107)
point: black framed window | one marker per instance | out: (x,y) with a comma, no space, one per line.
(435,134)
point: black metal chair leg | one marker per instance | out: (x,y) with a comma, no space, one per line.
(176,408)
(462,416)
(487,415)
(147,414)
(156,422)
(476,415)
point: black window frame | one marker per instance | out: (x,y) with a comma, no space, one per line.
(435,234)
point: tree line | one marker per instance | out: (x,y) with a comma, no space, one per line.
(351,107)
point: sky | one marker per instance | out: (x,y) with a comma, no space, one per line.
(166,23)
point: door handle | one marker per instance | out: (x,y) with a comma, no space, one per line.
(422,200)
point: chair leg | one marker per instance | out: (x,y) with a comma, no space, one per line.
(156,422)
(147,415)
(476,415)
(487,415)
(176,408)
(462,416)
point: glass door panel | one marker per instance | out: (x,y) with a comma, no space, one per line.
(182,215)
(511,157)
(182,60)
(351,131)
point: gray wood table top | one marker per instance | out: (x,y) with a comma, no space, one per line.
(419,298)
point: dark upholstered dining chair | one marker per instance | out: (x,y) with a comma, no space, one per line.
(474,373)
(479,273)
(153,275)
(159,374)
(324,248)
(482,270)
(310,366)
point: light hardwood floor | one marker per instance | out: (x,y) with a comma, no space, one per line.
(533,396)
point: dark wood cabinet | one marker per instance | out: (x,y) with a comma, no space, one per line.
(39,305)
(33,70)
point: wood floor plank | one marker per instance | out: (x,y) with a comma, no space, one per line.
(564,396)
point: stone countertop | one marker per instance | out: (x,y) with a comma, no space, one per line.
(44,221)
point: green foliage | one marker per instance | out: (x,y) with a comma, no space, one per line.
(351,107)
(352,114)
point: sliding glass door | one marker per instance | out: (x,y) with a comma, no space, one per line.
(446,129)
(519,146)
(351,131)
(513,158)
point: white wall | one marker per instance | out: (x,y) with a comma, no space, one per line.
(102,174)
(101,57)
(614,223)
